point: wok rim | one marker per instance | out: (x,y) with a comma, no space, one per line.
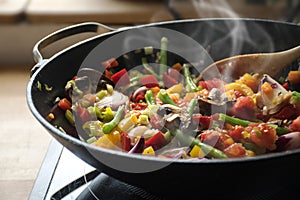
(48,126)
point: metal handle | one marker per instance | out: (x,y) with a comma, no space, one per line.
(63,33)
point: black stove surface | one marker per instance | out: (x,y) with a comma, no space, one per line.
(64,176)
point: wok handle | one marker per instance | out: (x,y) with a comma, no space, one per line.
(63,33)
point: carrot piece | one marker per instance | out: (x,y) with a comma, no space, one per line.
(64,104)
(177,66)
(110,63)
(267,88)
(294,77)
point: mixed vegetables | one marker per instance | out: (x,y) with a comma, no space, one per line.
(162,111)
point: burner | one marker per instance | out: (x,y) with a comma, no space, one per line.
(64,176)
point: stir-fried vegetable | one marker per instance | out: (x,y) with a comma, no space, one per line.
(162,112)
(109,126)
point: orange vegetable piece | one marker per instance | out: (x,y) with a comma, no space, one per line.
(267,88)
(294,77)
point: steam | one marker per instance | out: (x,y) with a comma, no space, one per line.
(213,8)
(235,37)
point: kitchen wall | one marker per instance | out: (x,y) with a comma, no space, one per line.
(24,22)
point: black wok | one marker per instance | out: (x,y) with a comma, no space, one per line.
(210,177)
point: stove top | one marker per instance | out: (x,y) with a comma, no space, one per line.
(65,176)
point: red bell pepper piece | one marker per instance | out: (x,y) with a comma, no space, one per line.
(286,86)
(121,78)
(175,74)
(155,122)
(203,85)
(157,141)
(149,81)
(168,80)
(83,114)
(203,121)
(64,104)
(125,140)
(110,63)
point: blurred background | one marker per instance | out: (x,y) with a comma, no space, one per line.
(24,22)
(24,142)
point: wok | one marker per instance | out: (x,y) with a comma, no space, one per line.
(206,178)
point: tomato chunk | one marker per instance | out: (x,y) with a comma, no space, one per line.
(244,108)
(295,126)
(263,135)
(235,150)
(236,134)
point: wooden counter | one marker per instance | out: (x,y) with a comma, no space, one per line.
(23,142)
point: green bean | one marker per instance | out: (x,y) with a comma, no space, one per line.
(191,106)
(190,141)
(189,83)
(69,117)
(148,67)
(148,50)
(163,56)
(136,78)
(150,99)
(75,88)
(236,121)
(165,98)
(108,127)
(295,99)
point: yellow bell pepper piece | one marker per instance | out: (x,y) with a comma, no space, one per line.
(143,120)
(110,141)
(149,151)
(127,123)
(242,88)
(249,80)
(175,89)
(197,152)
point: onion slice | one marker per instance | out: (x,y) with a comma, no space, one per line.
(271,103)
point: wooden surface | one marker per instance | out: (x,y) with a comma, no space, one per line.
(23,142)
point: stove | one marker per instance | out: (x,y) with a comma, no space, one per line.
(65,176)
